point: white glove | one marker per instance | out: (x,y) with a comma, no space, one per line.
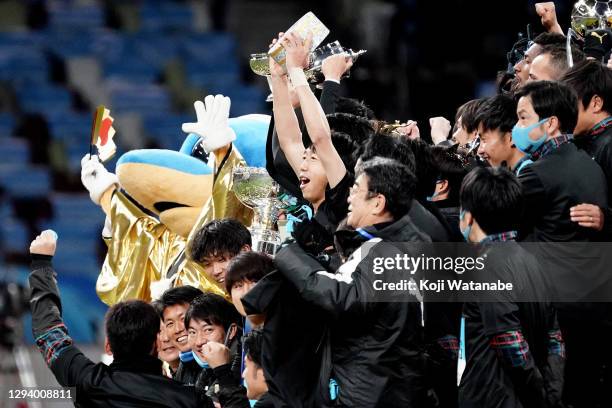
(212,125)
(96,178)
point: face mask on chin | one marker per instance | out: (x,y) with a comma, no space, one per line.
(522,141)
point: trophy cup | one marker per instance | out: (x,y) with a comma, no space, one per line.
(255,188)
(587,15)
(259,62)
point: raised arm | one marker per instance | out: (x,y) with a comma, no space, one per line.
(50,333)
(285,120)
(314,117)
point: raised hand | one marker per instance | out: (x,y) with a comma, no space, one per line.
(44,244)
(216,354)
(440,127)
(548,16)
(335,66)
(297,50)
(95,178)
(212,122)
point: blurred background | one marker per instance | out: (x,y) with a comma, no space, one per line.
(148,61)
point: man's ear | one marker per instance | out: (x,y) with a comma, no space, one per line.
(381,204)
(596,104)
(245,248)
(107,348)
(552,125)
(442,186)
(233,329)
(468,218)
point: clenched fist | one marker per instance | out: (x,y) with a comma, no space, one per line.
(44,244)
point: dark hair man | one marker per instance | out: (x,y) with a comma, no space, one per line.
(547,115)
(216,243)
(466,127)
(521,68)
(427,219)
(592,83)
(555,182)
(131,334)
(551,64)
(174,304)
(212,319)
(378,205)
(243,272)
(496,118)
(231,394)
(513,347)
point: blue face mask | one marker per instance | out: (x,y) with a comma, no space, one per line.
(186,356)
(465,232)
(521,139)
(201,363)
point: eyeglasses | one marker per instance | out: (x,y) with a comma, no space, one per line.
(354,190)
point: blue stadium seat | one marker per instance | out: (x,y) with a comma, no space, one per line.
(165,16)
(131,69)
(14,152)
(208,47)
(21,65)
(140,99)
(166,129)
(72,128)
(62,14)
(221,75)
(7,124)
(79,207)
(245,99)
(68,42)
(44,99)
(14,236)
(29,181)
(155,48)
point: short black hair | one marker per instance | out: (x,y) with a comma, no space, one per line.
(212,309)
(558,57)
(389,146)
(222,237)
(426,170)
(354,107)
(345,146)
(494,197)
(131,329)
(180,295)
(393,180)
(544,39)
(497,113)
(467,113)
(358,128)
(552,98)
(589,78)
(250,266)
(452,167)
(253,345)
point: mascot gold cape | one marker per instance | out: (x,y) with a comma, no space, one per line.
(159,199)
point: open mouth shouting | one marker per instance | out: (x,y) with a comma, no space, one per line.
(304,181)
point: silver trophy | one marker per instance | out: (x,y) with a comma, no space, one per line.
(259,62)
(256,189)
(587,15)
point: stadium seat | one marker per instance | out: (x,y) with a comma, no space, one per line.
(31,181)
(14,152)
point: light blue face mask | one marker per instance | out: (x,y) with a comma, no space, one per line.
(465,232)
(522,141)
(201,363)
(186,356)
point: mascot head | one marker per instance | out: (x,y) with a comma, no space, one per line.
(174,185)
